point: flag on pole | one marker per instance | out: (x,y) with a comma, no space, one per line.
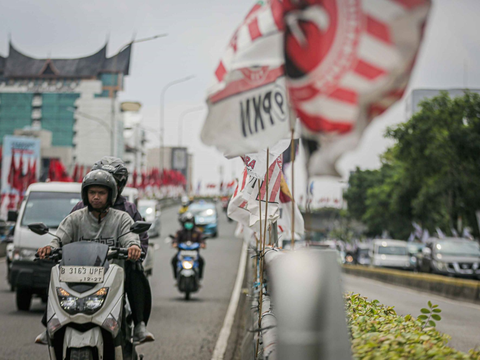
(256,163)
(411,238)
(347,61)
(249,199)
(247,104)
(285,219)
(440,233)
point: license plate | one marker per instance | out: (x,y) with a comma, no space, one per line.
(79,274)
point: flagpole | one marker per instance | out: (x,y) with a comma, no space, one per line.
(292,161)
(262,254)
(260,265)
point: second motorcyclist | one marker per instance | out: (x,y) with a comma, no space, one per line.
(188,233)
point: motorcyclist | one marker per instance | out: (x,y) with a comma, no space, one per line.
(184,208)
(137,286)
(188,233)
(98,221)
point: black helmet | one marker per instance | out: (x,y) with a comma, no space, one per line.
(116,167)
(100,178)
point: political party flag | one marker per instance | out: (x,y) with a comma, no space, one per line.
(285,219)
(247,104)
(440,233)
(258,204)
(250,198)
(346,63)
(256,163)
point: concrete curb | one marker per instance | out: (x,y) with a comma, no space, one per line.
(453,288)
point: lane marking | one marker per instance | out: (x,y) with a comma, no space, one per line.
(3,260)
(222,342)
(416,292)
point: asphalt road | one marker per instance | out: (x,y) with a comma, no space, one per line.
(460,320)
(183,329)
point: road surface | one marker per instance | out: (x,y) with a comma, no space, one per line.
(184,330)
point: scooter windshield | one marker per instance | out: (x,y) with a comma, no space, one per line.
(191,246)
(85,253)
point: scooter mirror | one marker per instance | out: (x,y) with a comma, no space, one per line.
(38,228)
(139,227)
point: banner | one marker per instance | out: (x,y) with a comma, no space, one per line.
(247,104)
(347,61)
(20,168)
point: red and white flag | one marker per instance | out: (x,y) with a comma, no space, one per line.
(256,163)
(249,198)
(247,104)
(347,61)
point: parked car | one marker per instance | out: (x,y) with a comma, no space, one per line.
(362,254)
(390,253)
(150,211)
(48,203)
(415,251)
(452,256)
(206,217)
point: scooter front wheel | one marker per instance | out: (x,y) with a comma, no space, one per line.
(84,353)
(187,295)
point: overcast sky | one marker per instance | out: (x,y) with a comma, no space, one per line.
(198,34)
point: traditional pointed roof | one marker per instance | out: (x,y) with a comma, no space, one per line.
(18,64)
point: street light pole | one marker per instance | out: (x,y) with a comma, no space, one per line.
(180,122)
(114,127)
(162,129)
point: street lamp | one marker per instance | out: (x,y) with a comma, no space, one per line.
(113,127)
(180,122)
(91,117)
(162,100)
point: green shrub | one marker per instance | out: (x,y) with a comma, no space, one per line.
(377,332)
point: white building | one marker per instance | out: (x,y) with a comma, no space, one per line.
(75,99)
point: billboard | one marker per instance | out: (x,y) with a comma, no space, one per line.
(20,168)
(180,160)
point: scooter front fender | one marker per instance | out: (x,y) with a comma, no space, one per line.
(76,339)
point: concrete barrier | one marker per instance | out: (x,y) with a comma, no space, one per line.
(453,288)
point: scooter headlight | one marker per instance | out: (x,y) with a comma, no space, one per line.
(187,265)
(67,302)
(88,305)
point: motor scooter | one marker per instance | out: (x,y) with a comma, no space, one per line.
(88,314)
(188,277)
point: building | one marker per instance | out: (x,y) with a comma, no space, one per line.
(172,158)
(75,99)
(418,95)
(135,155)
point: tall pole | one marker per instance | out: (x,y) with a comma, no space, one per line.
(113,122)
(180,122)
(162,108)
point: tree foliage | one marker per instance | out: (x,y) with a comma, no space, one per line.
(431,175)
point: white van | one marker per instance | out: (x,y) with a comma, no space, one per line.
(390,253)
(48,203)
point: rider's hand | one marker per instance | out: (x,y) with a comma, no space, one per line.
(44,252)
(134,253)
(203,245)
(174,245)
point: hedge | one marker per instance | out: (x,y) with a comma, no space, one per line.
(377,332)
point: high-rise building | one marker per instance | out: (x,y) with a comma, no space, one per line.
(75,99)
